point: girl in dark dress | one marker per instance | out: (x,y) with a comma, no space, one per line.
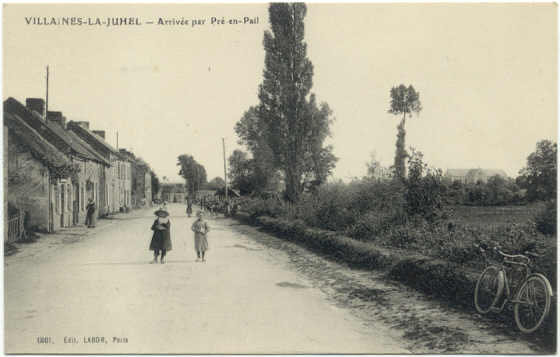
(161,239)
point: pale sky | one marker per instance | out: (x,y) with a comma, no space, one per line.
(487,77)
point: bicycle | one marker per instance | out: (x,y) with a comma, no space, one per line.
(531,301)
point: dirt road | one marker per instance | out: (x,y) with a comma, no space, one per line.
(95,292)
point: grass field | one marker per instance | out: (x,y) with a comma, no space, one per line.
(494,215)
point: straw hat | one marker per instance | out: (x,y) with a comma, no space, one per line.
(161,213)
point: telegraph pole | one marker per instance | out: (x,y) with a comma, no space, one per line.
(225,176)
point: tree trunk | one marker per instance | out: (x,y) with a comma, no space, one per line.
(293,184)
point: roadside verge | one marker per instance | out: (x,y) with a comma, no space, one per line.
(447,281)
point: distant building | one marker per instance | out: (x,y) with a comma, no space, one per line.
(470,176)
(173,192)
(381,173)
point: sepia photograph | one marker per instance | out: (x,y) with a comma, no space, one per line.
(280,178)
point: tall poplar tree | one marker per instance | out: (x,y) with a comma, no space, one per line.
(284,95)
(405,101)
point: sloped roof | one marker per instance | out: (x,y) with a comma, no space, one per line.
(92,136)
(467,172)
(77,140)
(39,147)
(457,172)
(48,129)
(493,172)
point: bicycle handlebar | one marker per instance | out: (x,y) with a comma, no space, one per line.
(483,247)
(512,256)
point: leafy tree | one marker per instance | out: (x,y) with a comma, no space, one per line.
(155,183)
(539,176)
(240,171)
(321,159)
(193,173)
(289,118)
(404,101)
(251,131)
(215,184)
(424,189)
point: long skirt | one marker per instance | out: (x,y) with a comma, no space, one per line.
(200,242)
(161,240)
(91,219)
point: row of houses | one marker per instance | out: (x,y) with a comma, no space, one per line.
(53,167)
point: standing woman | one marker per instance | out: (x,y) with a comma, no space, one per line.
(90,214)
(200,229)
(161,239)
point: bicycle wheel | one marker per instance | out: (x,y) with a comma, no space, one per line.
(532,303)
(488,289)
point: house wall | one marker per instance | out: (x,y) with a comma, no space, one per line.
(28,185)
(89,185)
(112,186)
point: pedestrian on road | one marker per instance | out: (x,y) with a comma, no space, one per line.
(200,229)
(189,206)
(90,214)
(161,239)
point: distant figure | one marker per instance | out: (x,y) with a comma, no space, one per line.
(189,206)
(161,239)
(90,214)
(200,229)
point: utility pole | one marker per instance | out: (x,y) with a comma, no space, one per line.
(225,176)
(47,97)
(117,140)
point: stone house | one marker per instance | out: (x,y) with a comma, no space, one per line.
(115,189)
(125,182)
(141,180)
(36,176)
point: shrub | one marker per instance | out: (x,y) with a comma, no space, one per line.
(545,220)
(256,207)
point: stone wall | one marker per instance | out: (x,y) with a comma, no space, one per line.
(28,185)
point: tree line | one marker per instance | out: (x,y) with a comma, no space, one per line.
(284,135)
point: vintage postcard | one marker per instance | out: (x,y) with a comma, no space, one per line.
(280,178)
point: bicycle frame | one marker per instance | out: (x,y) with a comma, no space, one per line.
(509,294)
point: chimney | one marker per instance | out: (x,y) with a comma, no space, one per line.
(56,117)
(36,104)
(83,124)
(100,133)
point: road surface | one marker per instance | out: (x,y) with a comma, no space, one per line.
(94,291)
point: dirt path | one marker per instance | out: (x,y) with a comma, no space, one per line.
(422,324)
(95,292)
